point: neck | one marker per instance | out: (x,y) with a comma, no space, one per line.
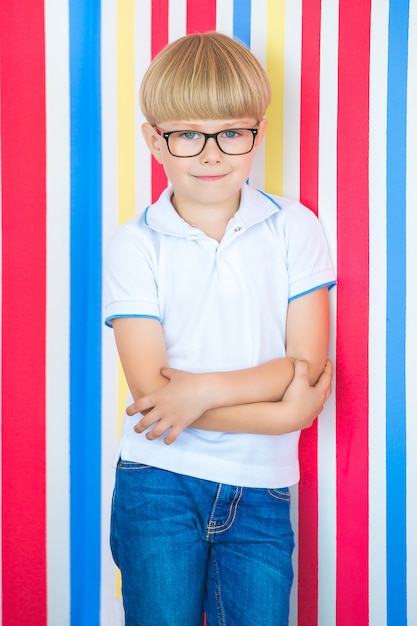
(211,219)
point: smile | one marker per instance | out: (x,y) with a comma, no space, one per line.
(210,179)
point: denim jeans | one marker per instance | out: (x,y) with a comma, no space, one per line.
(186,545)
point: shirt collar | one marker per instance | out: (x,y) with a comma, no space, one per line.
(255,206)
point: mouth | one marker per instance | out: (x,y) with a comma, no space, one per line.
(210,179)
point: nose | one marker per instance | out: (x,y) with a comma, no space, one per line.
(211,152)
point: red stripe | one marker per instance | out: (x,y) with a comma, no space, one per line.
(159,39)
(308,530)
(23,311)
(352,314)
(201,16)
(309,168)
(159,27)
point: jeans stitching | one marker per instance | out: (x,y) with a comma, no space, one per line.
(212,528)
(130,465)
(213,510)
(279,495)
(217,592)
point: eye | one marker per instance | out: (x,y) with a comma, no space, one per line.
(230,134)
(190,135)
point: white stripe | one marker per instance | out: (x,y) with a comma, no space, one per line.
(258,47)
(328,124)
(224,17)
(111,613)
(142,60)
(411,345)
(57,346)
(327,202)
(377,313)
(177,19)
(258,30)
(291,188)
(292,78)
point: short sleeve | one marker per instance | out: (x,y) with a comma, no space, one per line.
(130,287)
(308,263)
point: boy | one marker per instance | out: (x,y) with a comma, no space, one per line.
(229,286)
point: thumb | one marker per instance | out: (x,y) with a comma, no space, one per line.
(325,379)
(300,368)
(168,372)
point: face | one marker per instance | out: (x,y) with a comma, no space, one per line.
(212,178)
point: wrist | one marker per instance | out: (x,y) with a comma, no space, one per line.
(206,390)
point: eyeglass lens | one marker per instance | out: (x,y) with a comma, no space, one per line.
(191,143)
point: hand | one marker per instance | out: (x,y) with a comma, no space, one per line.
(173,407)
(306,402)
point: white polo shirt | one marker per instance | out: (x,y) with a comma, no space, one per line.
(222,306)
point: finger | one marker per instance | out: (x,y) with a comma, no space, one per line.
(140,427)
(325,380)
(140,405)
(172,436)
(167,372)
(329,366)
(300,368)
(132,410)
(146,422)
(158,431)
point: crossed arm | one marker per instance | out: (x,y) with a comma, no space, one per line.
(276,397)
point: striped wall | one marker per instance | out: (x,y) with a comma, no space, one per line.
(343,138)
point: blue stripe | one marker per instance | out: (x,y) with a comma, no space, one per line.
(242,21)
(329,285)
(396,307)
(271,199)
(85,327)
(145,215)
(108,320)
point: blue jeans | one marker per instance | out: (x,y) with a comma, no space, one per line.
(186,545)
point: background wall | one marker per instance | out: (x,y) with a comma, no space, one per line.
(342,129)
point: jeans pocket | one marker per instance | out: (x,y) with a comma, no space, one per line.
(282,494)
(131,465)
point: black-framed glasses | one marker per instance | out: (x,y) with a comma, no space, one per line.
(189,143)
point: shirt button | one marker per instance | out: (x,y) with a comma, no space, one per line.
(237,229)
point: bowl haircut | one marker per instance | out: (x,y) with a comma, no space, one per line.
(204,76)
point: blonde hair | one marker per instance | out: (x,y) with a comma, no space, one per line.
(204,76)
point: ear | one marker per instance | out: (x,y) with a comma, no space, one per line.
(261,133)
(152,140)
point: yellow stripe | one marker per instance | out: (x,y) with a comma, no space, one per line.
(275,49)
(126,152)
(126,135)
(126,108)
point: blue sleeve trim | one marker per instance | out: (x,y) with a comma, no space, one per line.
(112,317)
(304,293)
(145,216)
